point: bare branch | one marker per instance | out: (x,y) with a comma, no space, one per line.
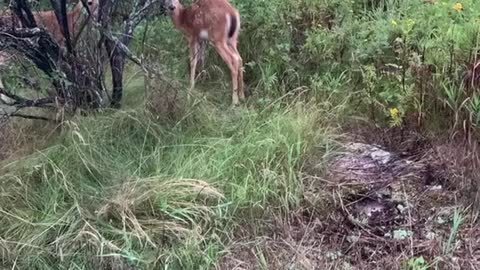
(35,43)
(76,81)
(21,102)
(60,10)
(33,117)
(117,48)
(22,10)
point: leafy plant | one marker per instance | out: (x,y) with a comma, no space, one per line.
(416,263)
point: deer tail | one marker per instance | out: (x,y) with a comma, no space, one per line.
(233,23)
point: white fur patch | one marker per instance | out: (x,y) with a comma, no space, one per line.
(203,34)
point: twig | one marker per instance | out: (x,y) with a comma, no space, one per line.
(33,117)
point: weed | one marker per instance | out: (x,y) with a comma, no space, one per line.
(450,245)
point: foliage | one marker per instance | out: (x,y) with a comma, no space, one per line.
(416,263)
(392,54)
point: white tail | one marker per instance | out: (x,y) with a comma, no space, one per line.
(219,22)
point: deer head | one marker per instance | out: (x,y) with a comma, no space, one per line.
(171,6)
(92,6)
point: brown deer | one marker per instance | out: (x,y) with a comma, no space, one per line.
(218,22)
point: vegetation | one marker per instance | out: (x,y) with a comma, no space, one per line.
(167,184)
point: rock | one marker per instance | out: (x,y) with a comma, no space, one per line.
(353,238)
(440,220)
(380,156)
(333,255)
(430,235)
(401,234)
(346,266)
(364,162)
(436,188)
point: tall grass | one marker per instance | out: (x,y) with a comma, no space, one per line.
(120,189)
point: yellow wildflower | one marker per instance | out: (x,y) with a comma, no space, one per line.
(458,7)
(394,112)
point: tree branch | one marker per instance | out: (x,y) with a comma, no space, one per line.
(60,10)
(21,102)
(22,10)
(33,117)
(117,48)
(35,43)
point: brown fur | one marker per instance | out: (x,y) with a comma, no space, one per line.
(48,20)
(214,17)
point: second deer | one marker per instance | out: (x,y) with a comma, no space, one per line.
(218,22)
(48,20)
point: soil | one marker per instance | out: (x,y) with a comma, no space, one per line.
(375,209)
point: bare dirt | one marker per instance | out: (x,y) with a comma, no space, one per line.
(376,209)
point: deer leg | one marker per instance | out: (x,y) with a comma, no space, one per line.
(239,66)
(193,49)
(202,47)
(228,58)
(241,85)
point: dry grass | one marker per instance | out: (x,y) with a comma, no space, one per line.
(131,205)
(21,137)
(161,99)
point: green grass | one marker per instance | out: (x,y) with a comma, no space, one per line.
(121,189)
(457,220)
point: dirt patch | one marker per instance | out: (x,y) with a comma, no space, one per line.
(374,209)
(390,206)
